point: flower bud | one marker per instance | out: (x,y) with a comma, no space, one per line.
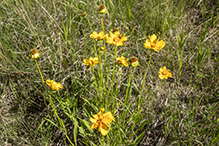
(102,48)
(116,31)
(83,13)
(134,62)
(34,54)
(102,9)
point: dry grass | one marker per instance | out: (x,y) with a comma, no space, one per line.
(185,109)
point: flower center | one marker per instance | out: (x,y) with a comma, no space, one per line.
(164,73)
(116,39)
(153,45)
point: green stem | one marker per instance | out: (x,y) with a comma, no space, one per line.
(101,74)
(89,23)
(105,59)
(104,44)
(102,24)
(153,98)
(85,45)
(114,69)
(60,120)
(94,47)
(95,82)
(114,63)
(92,32)
(127,92)
(40,72)
(42,80)
(142,87)
(117,82)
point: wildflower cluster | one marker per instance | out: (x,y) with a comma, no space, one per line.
(102,74)
(100,120)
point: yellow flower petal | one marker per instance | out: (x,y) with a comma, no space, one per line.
(147,44)
(159,45)
(86,62)
(98,36)
(94,126)
(103,129)
(96,116)
(153,38)
(93,35)
(101,111)
(49,82)
(108,118)
(93,120)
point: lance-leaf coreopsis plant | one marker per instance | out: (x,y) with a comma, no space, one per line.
(105,85)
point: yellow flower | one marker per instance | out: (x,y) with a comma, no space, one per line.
(115,39)
(153,43)
(53,85)
(99,36)
(164,73)
(92,61)
(122,61)
(102,121)
(34,54)
(102,9)
(134,62)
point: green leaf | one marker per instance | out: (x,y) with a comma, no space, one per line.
(75,131)
(137,140)
(126,53)
(215,140)
(87,124)
(55,124)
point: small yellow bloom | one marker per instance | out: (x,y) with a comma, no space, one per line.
(83,13)
(134,62)
(34,54)
(102,121)
(92,61)
(122,61)
(53,85)
(115,39)
(99,36)
(164,73)
(153,43)
(102,9)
